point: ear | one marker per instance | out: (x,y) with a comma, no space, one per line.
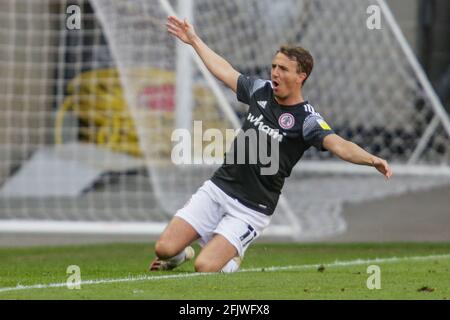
(301,77)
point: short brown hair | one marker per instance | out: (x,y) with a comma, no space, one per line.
(305,61)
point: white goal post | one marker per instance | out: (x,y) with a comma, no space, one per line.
(85,138)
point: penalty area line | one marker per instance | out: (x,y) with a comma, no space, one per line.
(261,269)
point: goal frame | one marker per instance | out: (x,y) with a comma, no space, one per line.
(293,228)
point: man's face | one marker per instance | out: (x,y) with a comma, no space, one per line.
(284,76)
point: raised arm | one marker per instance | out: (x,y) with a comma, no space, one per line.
(217,65)
(351,152)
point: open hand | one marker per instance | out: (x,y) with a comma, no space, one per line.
(183,30)
(382,166)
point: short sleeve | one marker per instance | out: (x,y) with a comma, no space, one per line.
(315,129)
(247,86)
(244,87)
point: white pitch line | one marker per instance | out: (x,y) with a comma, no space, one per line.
(350,263)
(262,269)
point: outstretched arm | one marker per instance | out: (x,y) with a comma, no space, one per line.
(351,152)
(217,65)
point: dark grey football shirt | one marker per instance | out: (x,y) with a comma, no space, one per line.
(295,129)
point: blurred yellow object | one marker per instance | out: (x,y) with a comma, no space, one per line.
(97,99)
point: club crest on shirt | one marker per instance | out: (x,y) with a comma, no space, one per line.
(286,121)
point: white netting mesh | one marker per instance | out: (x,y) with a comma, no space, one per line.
(68,147)
(107,92)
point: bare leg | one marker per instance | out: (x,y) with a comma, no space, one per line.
(215,255)
(177,236)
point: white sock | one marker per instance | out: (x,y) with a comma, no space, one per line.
(231,266)
(178,259)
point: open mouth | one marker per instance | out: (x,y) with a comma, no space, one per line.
(275,84)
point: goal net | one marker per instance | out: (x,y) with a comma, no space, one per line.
(90,110)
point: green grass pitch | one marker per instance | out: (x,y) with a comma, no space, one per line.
(300,271)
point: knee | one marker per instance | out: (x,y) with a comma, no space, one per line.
(164,250)
(202,265)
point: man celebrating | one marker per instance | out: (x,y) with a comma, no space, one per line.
(233,208)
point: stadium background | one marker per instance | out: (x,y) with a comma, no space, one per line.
(420,216)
